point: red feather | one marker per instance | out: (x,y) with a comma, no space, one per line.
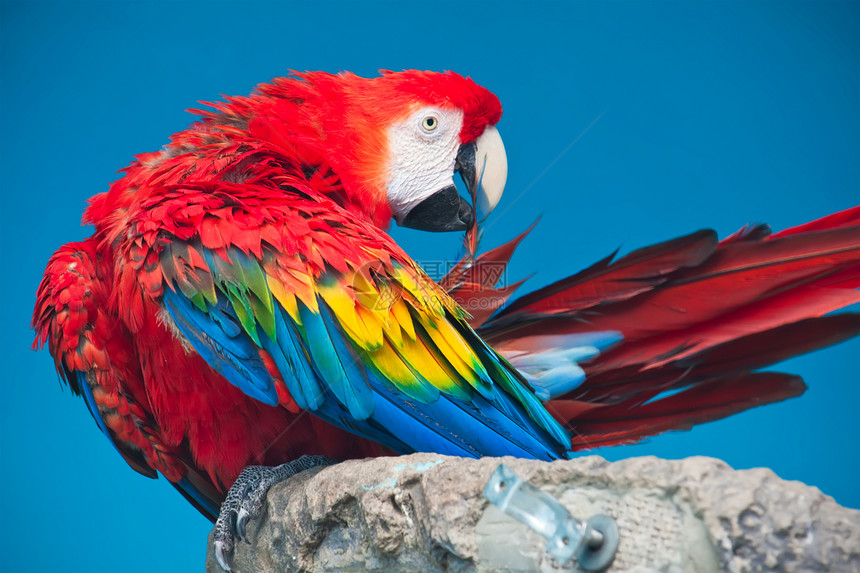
(712,399)
(638,272)
(693,314)
(472,282)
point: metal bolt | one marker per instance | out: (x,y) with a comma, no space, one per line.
(593,542)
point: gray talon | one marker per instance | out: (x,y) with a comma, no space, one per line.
(244,501)
(223,549)
(241,523)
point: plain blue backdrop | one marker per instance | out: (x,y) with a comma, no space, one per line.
(625,124)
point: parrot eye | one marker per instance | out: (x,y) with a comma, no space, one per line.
(430,123)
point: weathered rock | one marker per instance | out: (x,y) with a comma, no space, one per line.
(426,512)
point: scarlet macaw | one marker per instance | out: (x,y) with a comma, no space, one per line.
(242,277)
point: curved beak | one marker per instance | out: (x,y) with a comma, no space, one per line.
(483,165)
(444,210)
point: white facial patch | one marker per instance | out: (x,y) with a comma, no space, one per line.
(423,150)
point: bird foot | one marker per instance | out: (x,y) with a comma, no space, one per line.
(245,501)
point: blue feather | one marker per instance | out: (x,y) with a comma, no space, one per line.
(204,503)
(507,378)
(338,369)
(456,427)
(415,427)
(90,401)
(290,358)
(556,371)
(236,358)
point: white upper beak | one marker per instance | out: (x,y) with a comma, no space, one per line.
(491,171)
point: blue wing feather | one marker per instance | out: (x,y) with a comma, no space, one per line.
(200,500)
(324,374)
(132,457)
(90,401)
(290,358)
(234,357)
(339,369)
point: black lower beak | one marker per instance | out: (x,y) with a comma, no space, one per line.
(444,210)
(465,165)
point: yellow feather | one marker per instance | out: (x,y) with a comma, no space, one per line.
(435,371)
(462,368)
(394,332)
(362,286)
(427,294)
(408,282)
(305,289)
(372,325)
(285,298)
(391,366)
(401,315)
(347,314)
(455,349)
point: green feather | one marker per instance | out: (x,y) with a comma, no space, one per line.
(244,310)
(256,295)
(200,302)
(265,316)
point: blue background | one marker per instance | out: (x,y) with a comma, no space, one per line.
(711,114)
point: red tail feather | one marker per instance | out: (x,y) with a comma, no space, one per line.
(638,272)
(847,218)
(695,314)
(710,400)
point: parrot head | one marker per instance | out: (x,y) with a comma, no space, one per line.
(396,142)
(443,124)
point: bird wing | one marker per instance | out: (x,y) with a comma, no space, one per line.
(297,303)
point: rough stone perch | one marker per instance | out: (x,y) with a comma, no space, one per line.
(425,512)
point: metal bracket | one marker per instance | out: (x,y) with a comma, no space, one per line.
(593,542)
